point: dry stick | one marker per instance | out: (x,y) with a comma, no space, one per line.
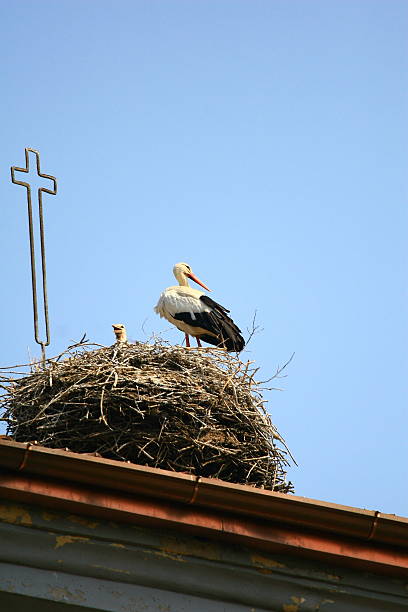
(254,330)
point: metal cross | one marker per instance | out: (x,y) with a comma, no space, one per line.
(52,191)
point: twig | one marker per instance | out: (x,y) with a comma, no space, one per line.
(254,329)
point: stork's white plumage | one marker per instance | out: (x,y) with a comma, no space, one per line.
(196,314)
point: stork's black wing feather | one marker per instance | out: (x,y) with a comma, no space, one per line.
(216,321)
(212,304)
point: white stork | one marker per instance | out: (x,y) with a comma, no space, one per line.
(196,314)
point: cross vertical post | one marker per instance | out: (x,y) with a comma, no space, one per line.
(53,191)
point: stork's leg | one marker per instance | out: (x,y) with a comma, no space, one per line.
(187,341)
(198,342)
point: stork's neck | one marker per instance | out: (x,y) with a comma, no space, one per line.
(182,279)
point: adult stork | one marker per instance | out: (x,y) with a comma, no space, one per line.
(196,314)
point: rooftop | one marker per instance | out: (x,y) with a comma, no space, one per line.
(135,494)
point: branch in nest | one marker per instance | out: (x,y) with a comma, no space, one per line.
(254,329)
(279,370)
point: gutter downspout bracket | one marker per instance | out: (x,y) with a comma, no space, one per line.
(25,457)
(374,525)
(195,491)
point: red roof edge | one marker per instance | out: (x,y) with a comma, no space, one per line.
(203,506)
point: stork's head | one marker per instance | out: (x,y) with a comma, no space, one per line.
(120,332)
(182,271)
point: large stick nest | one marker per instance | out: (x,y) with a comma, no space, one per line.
(194,411)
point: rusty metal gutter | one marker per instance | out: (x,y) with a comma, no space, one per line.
(209,507)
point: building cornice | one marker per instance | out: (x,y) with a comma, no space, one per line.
(136,494)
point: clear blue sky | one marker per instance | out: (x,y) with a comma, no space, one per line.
(265,143)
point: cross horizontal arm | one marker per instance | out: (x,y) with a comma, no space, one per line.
(26,170)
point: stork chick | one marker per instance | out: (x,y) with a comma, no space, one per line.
(120,332)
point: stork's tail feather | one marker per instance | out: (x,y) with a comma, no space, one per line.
(231,344)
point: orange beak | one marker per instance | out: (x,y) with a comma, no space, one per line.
(197,280)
